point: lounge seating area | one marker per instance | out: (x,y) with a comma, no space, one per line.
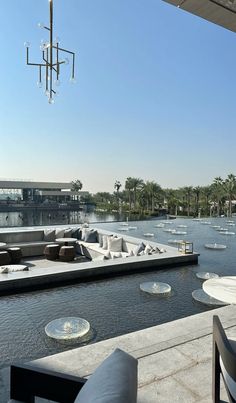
(84,254)
(91,243)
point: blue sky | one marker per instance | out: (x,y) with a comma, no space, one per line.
(155,96)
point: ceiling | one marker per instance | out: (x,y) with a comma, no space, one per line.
(220,12)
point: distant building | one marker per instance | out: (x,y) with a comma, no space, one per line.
(39,192)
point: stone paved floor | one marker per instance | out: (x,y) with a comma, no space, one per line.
(174,358)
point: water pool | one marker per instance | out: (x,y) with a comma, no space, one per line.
(117,305)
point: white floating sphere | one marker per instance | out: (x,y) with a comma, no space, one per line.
(154,287)
(201,296)
(205,275)
(67,328)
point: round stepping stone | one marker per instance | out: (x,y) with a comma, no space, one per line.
(67,328)
(200,296)
(153,287)
(215,246)
(205,275)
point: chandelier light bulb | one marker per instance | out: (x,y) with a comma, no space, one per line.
(47,93)
(57,83)
(39,84)
(27,44)
(41,25)
(66,61)
(57,40)
(51,101)
(72,80)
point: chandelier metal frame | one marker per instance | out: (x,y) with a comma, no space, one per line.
(51,62)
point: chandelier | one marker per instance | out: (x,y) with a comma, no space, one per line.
(51,62)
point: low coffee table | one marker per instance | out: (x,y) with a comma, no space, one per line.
(66,241)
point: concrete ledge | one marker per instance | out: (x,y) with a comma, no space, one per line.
(174,358)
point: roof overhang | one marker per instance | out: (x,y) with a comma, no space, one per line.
(220,12)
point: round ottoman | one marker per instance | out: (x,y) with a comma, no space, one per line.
(67,253)
(52,251)
(15,254)
(5,258)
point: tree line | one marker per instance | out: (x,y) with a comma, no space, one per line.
(148,197)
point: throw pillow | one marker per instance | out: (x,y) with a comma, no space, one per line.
(104,242)
(115,244)
(156,250)
(67,233)
(114,381)
(75,233)
(59,233)
(108,255)
(91,236)
(139,248)
(4,269)
(148,249)
(116,255)
(100,240)
(49,235)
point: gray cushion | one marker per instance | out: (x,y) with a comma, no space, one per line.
(91,236)
(114,381)
(105,241)
(59,233)
(139,248)
(75,233)
(49,235)
(228,380)
(100,240)
(68,233)
(115,244)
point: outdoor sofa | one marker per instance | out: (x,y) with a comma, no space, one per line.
(114,381)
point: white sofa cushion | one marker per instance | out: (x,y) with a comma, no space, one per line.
(115,244)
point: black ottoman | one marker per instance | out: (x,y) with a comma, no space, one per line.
(5,258)
(15,254)
(67,253)
(51,252)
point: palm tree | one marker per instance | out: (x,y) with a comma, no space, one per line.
(196,192)
(172,201)
(152,192)
(206,192)
(117,186)
(76,186)
(137,185)
(129,188)
(218,192)
(230,189)
(188,193)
